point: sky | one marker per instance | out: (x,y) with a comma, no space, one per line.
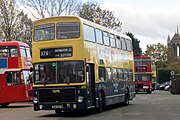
(151,21)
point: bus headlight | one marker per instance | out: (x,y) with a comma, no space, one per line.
(80,99)
(35,100)
(74,106)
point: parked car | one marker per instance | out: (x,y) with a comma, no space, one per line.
(157,86)
(165,86)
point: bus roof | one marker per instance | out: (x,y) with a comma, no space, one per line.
(104,28)
(88,23)
(11,43)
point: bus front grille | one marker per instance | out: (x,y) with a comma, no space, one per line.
(140,86)
(57,95)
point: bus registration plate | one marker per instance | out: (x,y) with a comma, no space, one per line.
(57,106)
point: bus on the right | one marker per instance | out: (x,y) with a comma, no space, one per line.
(143,74)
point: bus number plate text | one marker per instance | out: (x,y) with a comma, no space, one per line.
(57,106)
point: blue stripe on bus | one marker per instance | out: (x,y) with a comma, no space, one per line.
(3,63)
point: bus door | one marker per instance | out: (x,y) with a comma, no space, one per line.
(26,84)
(90,77)
(13,90)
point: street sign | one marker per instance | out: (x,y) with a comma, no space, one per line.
(172,72)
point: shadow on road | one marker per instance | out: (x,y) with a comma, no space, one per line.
(18,105)
(86,113)
(24,106)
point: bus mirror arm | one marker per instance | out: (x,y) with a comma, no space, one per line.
(31,69)
(87,68)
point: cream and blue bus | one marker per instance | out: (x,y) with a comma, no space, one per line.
(79,65)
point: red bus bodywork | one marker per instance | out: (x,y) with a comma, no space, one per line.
(143,73)
(15,75)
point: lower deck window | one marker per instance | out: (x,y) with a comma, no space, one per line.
(59,72)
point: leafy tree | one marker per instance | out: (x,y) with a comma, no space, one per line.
(46,8)
(158,53)
(173,61)
(14,23)
(93,12)
(135,43)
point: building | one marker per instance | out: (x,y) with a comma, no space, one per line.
(174,44)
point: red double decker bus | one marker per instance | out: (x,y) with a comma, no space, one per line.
(15,75)
(143,73)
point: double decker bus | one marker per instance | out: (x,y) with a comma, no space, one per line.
(79,65)
(143,73)
(15,75)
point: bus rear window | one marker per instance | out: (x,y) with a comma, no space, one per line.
(68,30)
(44,32)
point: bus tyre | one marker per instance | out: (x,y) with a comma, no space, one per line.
(100,108)
(149,91)
(5,105)
(136,91)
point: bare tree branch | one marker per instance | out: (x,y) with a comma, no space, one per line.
(46,8)
(13,21)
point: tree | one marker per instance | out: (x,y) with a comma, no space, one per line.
(135,43)
(93,12)
(46,8)
(158,53)
(14,23)
(173,61)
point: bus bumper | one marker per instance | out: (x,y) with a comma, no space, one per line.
(64,107)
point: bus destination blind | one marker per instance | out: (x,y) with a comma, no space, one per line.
(56,52)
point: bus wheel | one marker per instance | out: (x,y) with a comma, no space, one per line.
(101,105)
(149,91)
(4,104)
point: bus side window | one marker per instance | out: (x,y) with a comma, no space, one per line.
(12,78)
(101,71)
(115,75)
(109,74)
(130,74)
(126,74)
(8,78)
(120,74)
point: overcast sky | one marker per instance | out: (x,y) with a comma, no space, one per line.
(151,21)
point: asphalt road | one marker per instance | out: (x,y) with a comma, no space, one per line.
(160,105)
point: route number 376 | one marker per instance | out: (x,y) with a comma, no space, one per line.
(44,53)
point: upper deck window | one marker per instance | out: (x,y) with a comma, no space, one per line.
(99,38)
(142,62)
(106,38)
(8,51)
(68,30)
(113,41)
(123,44)
(129,45)
(118,42)
(44,32)
(89,33)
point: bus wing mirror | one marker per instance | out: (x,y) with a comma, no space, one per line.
(31,69)
(87,68)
